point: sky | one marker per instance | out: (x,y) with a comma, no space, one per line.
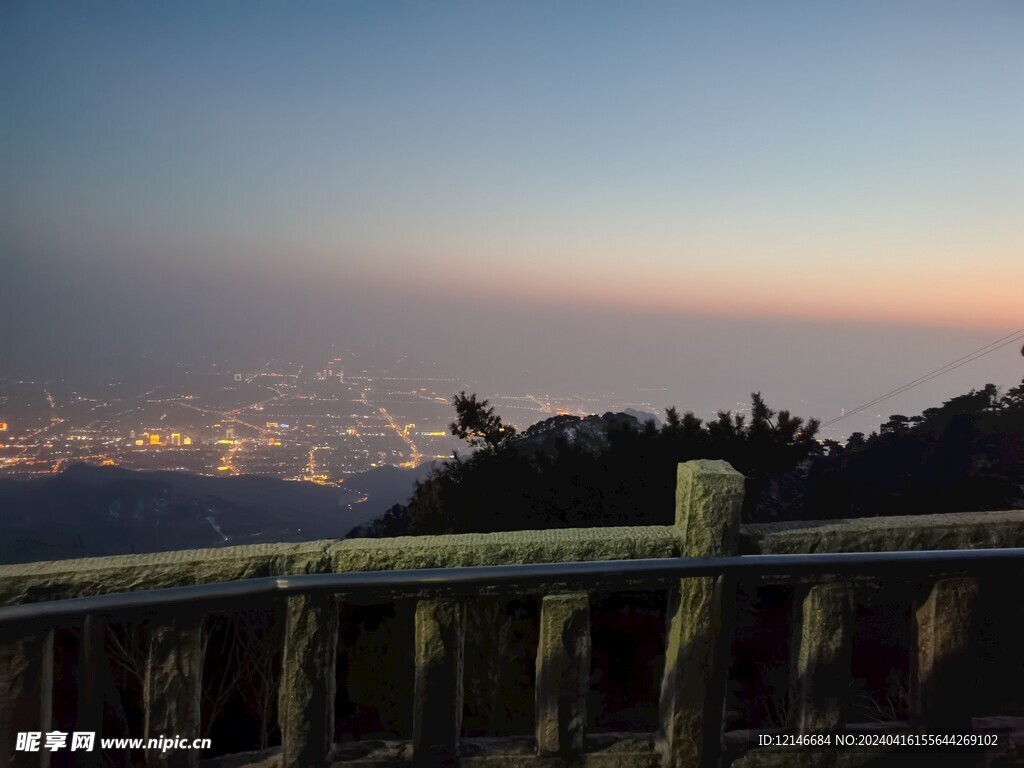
(820,200)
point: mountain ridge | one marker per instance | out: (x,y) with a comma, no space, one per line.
(89,511)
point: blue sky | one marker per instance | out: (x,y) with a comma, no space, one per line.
(815,162)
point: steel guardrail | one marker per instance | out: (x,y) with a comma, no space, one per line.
(586,575)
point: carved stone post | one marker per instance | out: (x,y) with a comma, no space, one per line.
(306,696)
(943,669)
(172,692)
(437,699)
(93,684)
(709,498)
(563,675)
(26,692)
(91,665)
(823,628)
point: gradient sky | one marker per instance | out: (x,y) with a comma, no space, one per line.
(521,183)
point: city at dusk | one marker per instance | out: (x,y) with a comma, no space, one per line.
(525,383)
(690,198)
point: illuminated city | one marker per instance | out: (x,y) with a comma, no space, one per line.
(283,419)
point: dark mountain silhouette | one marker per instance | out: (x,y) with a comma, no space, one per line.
(91,511)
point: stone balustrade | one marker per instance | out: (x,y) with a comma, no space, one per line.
(697,642)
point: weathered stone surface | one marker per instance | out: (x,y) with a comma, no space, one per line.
(617,761)
(709,498)
(307,689)
(786,757)
(267,758)
(172,693)
(943,670)
(32,582)
(1010,734)
(437,698)
(704,490)
(26,692)
(563,674)
(838,757)
(93,681)
(550,546)
(823,623)
(956,530)
(801,757)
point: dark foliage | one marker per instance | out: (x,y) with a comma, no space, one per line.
(514,483)
(967,454)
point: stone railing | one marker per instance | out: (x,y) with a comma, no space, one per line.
(698,634)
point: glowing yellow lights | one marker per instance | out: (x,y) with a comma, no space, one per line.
(187,441)
(3,426)
(139,442)
(154,439)
(223,469)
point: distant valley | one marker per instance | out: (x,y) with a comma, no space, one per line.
(91,511)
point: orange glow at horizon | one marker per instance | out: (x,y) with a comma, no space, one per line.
(962,295)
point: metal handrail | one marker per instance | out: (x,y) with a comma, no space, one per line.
(580,575)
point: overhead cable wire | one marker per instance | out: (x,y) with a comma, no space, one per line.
(1011,338)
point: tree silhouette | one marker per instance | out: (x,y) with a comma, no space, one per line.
(967,454)
(477,424)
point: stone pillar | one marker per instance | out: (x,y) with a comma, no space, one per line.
(26,692)
(91,664)
(172,691)
(709,499)
(93,683)
(563,675)
(437,699)
(823,630)
(306,695)
(943,669)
